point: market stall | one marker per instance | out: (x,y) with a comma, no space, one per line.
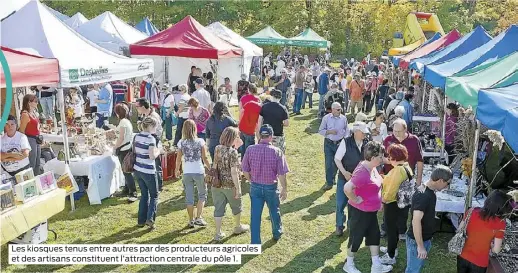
(267,36)
(308,38)
(111,33)
(249,49)
(186,44)
(146,27)
(462,46)
(77,20)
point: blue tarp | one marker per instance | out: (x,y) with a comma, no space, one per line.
(436,36)
(501,46)
(498,110)
(469,42)
(147,27)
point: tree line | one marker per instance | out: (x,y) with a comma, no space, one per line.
(354,27)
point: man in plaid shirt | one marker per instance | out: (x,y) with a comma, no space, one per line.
(264,165)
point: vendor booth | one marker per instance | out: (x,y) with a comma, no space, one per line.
(111,33)
(308,38)
(145,26)
(249,49)
(186,44)
(501,46)
(81,62)
(77,20)
(267,36)
(465,44)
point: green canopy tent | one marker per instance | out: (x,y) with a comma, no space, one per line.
(267,36)
(464,89)
(308,38)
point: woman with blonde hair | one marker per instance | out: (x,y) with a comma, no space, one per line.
(195,162)
(228,191)
(146,150)
(182,102)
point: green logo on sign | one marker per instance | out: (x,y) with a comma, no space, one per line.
(73,75)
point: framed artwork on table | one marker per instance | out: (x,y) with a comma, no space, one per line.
(7,200)
(24,175)
(46,182)
(26,190)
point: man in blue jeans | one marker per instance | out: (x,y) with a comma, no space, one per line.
(264,165)
(299,89)
(334,129)
(347,157)
(422,227)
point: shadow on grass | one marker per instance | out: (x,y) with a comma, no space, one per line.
(244,260)
(315,256)
(84,209)
(321,209)
(312,127)
(300,203)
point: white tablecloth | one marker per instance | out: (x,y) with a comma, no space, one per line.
(103,171)
(58,138)
(450,203)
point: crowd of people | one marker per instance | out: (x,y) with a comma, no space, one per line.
(379,163)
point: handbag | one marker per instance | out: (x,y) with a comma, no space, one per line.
(406,191)
(213,177)
(129,159)
(118,150)
(456,244)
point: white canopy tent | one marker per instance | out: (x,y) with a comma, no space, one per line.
(81,61)
(8,7)
(77,20)
(110,32)
(249,49)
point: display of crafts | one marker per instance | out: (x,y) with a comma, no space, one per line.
(457,189)
(466,165)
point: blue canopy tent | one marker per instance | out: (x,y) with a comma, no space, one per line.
(498,110)
(469,42)
(501,46)
(436,36)
(147,27)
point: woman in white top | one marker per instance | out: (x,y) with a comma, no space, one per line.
(378,128)
(182,101)
(194,153)
(123,146)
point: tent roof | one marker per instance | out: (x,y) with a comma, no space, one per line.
(502,45)
(498,110)
(467,43)
(267,36)
(147,27)
(308,38)
(11,6)
(464,89)
(76,20)
(80,61)
(110,32)
(28,70)
(223,32)
(438,44)
(434,38)
(187,38)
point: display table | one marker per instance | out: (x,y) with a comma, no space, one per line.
(24,217)
(103,171)
(446,202)
(55,138)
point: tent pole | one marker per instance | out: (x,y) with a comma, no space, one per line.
(444,129)
(469,196)
(424,95)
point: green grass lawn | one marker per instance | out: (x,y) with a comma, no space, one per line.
(308,244)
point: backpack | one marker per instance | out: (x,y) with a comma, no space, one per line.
(337,97)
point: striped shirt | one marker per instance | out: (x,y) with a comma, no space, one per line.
(143,163)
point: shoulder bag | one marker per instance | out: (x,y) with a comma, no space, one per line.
(456,244)
(213,177)
(129,159)
(406,191)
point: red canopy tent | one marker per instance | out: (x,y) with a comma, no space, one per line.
(438,44)
(29,70)
(187,38)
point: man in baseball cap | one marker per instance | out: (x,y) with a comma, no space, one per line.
(264,165)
